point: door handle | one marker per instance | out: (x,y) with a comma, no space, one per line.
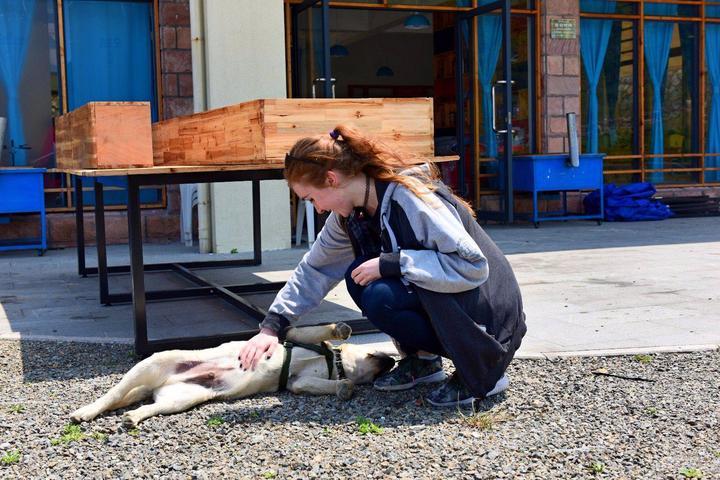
(494,107)
(322,79)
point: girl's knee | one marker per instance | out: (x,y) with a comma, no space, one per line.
(377,299)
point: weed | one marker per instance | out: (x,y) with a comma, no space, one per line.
(643,358)
(596,467)
(365,426)
(134,432)
(717,453)
(215,421)
(10,457)
(688,472)
(652,411)
(99,436)
(269,474)
(71,433)
(255,414)
(234,250)
(17,408)
(483,420)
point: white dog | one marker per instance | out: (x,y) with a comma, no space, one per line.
(181,379)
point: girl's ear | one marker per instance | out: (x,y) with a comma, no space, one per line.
(331,180)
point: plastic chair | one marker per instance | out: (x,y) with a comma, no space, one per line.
(188,199)
(305,209)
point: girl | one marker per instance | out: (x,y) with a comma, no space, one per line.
(415,261)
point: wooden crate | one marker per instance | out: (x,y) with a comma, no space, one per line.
(105,135)
(260,132)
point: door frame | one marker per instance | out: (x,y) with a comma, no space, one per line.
(505,213)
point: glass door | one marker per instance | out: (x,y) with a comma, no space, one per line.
(484,106)
(312,76)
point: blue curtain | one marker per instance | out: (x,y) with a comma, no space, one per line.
(712,55)
(658,36)
(488,50)
(109,56)
(15,22)
(594,36)
(109,52)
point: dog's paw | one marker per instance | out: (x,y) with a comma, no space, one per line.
(83,414)
(128,421)
(342,331)
(344,389)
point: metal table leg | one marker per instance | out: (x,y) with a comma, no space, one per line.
(79,226)
(137,270)
(257,237)
(100,243)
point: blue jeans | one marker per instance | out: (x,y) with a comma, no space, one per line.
(394,310)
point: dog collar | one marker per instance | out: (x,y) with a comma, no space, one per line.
(332,357)
(337,358)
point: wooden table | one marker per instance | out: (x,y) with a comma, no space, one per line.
(234,294)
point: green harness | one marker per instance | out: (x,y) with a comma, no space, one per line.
(332,357)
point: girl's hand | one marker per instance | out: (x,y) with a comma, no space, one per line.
(366,272)
(261,345)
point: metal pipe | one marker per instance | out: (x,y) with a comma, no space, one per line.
(200,95)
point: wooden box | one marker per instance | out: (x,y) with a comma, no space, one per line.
(105,135)
(260,132)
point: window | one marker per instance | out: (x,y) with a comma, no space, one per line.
(107,46)
(648,110)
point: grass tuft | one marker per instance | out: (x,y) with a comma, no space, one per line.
(484,420)
(643,358)
(11,457)
(596,467)
(215,421)
(16,408)
(689,472)
(365,426)
(71,433)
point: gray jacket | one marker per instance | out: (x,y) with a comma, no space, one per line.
(438,248)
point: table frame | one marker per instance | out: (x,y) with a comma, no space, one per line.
(233,294)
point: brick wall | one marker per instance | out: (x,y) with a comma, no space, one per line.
(560,64)
(175,59)
(159,225)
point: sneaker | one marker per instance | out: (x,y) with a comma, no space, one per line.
(409,372)
(454,393)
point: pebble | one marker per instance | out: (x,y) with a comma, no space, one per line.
(556,419)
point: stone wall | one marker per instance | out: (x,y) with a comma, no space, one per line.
(159,225)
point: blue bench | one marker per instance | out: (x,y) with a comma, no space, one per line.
(22,191)
(553,173)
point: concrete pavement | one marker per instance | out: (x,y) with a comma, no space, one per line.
(588,290)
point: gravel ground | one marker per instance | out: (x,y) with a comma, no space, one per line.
(558,420)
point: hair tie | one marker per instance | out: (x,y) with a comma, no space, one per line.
(334,134)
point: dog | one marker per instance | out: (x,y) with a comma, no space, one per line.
(180,379)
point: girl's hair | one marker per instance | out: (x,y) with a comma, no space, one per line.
(347,151)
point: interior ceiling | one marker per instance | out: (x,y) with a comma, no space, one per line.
(348,25)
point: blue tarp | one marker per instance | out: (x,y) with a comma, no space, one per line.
(629,203)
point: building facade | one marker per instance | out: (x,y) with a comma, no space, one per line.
(642,76)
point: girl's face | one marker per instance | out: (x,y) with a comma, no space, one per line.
(330,198)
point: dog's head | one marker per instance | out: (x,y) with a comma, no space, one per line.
(364,363)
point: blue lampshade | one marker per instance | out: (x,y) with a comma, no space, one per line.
(384,71)
(416,22)
(338,50)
